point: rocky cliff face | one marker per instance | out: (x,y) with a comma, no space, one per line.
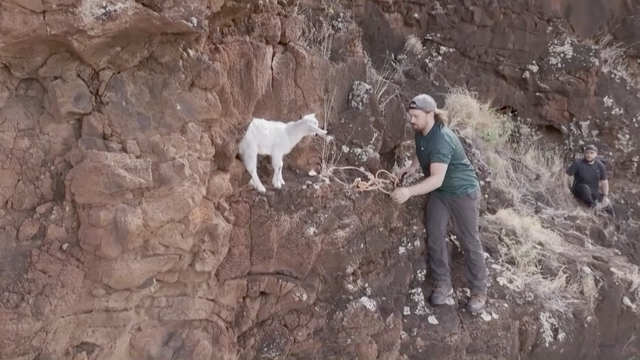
(128,230)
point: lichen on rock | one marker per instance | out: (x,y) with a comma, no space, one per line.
(359,95)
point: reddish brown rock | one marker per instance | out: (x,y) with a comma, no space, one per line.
(127,229)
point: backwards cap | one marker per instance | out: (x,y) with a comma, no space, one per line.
(423,102)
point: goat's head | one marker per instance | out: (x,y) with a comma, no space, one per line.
(311,125)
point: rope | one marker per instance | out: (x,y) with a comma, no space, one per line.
(374,182)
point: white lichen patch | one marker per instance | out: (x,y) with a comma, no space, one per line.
(611,104)
(560,49)
(433,56)
(548,328)
(432,320)
(361,154)
(584,128)
(418,297)
(91,11)
(437,8)
(341,23)
(624,141)
(486,316)
(421,274)
(533,67)
(272,349)
(299,294)
(369,303)
(407,244)
(357,285)
(310,231)
(365,154)
(359,94)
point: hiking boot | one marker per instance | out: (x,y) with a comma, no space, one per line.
(476,303)
(440,294)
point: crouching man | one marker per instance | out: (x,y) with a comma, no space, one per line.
(454,193)
(589,174)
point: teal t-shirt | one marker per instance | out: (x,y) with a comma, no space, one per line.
(443,146)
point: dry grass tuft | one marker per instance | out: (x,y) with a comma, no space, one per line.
(317,33)
(614,58)
(382,82)
(612,55)
(533,258)
(477,119)
(413,45)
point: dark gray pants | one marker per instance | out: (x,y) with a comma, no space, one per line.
(465,212)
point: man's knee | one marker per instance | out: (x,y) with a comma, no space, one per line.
(583,192)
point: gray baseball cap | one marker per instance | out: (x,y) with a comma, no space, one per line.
(591,147)
(423,102)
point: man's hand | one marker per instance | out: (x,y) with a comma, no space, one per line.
(401,195)
(605,200)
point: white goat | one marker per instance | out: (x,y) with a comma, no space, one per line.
(276,139)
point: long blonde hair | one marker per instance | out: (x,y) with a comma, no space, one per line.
(441,116)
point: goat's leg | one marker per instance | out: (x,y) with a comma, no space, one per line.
(276,162)
(280,175)
(250,160)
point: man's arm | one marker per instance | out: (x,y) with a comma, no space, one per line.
(568,174)
(566,181)
(438,164)
(604,181)
(605,187)
(437,171)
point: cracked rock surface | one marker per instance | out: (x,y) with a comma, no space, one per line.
(128,230)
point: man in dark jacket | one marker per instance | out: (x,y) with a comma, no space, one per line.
(589,175)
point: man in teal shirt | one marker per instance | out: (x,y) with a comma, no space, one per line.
(454,193)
